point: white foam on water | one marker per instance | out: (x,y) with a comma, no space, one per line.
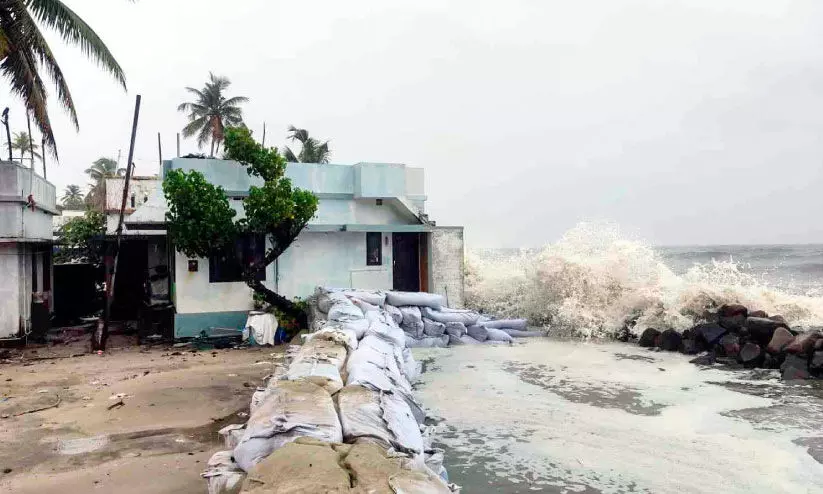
(595,278)
(551,413)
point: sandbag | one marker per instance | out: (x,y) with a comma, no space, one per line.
(322,373)
(495,334)
(395,313)
(419,299)
(345,311)
(223,475)
(322,350)
(411,315)
(428,342)
(519,324)
(364,306)
(479,333)
(411,368)
(294,409)
(434,461)
(303,466)
(359,327)
(379,471)
(433,328)
(456,329)
(467,317)
(415,330)
(326,298)
(232,434)
(456,340)
(332,332)
(388,332)
(523,334)
(386,379)
(468,340)
(382,418)
(374,298)
(378,352)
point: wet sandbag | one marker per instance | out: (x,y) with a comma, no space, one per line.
(523,334)
(433,328)
(223,475)
(359,327)
(303,466)
(468,340)
(419,299)
(519,324)
(411,315)
(428,341)
(232,434)
(326,298)
(388,332)
(323,373)
(456,329)
(414,330)
(479,333)
(497,335)
(445,315)
(341,334)
(294,409)
(364,306)
(411,368)
(382,418)
(394,313)
(378,378)
(374,298)
(455,340)
(345,311)
(379,471)
(322,350)
(379,352)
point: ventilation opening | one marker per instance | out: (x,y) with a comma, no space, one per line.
(379,202)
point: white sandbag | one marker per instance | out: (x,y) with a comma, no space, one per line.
(395,313)
(377,352)
(467,317)
(323,351)
(468,340)
(223,475)
(345,311)
(411,368)
(411,315)
(295,409)
(257,399)
(523,334)
(456,329)
(232,434)
(495,334)
(388,332)
(433,328)
(479,333)
(326,298)
(414,330)
(336,332)
(376,298)
(359,327)
(419,299)
(428,342)
(385,379)
(455,340)
(322,373)
(433,459)
(382,418)
(519,324)
(364,306)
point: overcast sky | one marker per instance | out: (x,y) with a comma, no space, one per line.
(687,121)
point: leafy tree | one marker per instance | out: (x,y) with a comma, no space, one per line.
(72,197)
(311,150)
(24,52)
(80,239)
(211,112)
(22,142)
(200,220)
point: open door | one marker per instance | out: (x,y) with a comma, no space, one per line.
(406,261)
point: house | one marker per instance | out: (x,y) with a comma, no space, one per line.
(27,204)
(370,231)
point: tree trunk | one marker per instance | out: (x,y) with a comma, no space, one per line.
(211,154)
(281,303)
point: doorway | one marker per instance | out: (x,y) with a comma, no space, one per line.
(406,262)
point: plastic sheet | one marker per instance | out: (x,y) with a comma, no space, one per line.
(262,327)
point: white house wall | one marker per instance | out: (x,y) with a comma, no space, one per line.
(15,290)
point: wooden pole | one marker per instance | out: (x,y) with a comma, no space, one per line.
(264,135)
(178,144)
(31,144)
(8,132)
(101,334)
(43,156)
(159,154)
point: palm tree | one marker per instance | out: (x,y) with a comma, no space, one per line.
(312,150)
(24,52)
(22,142)
(103,168)
(211,112)
(72,197)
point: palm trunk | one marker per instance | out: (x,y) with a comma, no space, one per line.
(211,154)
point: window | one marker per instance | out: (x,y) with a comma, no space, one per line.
(227,265)
(374,249)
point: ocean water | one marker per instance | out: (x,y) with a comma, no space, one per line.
(595,279)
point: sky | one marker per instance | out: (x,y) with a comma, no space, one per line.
(684,121)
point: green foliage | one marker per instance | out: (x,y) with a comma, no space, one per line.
(211,111)
(72,197)
(80,239)
(311,149)
(199,218)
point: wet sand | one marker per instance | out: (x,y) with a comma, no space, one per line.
(559,416)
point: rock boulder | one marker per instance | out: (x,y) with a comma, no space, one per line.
(804,343)
(751,355)
(729,345)
(780,339)
(670,340)
(649,338)
(761,330)
(758,313)
(732,316)
(794,367)
(708,334)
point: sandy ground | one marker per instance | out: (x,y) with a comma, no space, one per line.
(157,442)
(569,416)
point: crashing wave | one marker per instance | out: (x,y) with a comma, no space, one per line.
(595,282)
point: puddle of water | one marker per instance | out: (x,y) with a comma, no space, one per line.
(575,417)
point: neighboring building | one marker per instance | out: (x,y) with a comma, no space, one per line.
(370,231)
(27,204)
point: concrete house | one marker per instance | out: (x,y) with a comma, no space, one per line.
(27,204)
(370,231)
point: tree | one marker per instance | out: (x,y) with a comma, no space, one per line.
(24,52)
(81,239)
(72,197)
(311,151)
(211,112)
(200,220)
(101,169)
(22,142)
